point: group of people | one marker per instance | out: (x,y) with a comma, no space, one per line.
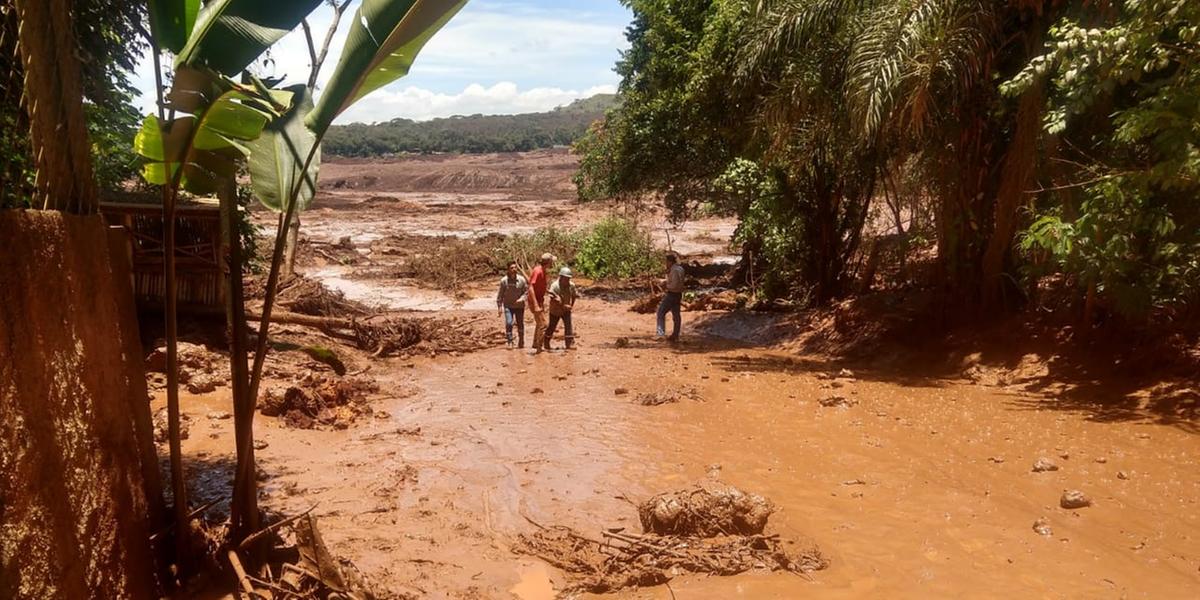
(552,302)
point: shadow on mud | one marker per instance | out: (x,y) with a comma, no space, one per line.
(1106,380)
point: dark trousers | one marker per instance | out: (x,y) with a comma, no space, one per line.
(672,302)
(568,331)
(514,316)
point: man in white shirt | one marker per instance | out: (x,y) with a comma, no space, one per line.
(673,299)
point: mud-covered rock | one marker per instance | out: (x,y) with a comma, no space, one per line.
(1042,527)
(161,426)
(707,509)
(668,396)
(1074,499)
(202,383)
(1044,464)
(837,401)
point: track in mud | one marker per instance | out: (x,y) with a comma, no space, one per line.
(911,487)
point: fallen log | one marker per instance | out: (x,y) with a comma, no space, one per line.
(291,318)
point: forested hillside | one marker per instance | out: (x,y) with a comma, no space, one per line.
(1025,146)
(474,133)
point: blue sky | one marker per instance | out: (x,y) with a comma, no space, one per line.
(494,57)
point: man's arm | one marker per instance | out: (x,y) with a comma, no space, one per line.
(500,297)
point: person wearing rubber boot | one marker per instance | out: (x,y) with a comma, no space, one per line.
(562,295)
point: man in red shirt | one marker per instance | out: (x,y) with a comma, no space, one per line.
(537,301)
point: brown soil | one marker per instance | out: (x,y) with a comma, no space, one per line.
(919,484)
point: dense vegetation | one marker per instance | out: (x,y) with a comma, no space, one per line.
(475,133)
(1026,138)
(109,41)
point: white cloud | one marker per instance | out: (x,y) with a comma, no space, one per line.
(502,98)
(554,52)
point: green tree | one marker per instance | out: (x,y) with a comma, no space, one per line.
(1123,90)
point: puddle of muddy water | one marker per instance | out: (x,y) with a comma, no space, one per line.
(385,293)
(534,583)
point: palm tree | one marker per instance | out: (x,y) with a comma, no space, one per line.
(918,80)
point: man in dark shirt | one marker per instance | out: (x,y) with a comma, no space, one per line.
(510,299)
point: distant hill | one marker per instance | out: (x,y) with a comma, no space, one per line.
(470,134)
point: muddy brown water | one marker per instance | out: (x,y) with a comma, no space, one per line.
(945,507)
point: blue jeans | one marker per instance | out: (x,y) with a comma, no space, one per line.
(514,316)
(568,331)
(672,303)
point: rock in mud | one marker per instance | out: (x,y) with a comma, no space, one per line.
(260,444)
(1044,464)
(1122,475)
(218,415)
(1074,499)
(1042,527)
(622,342)
(620,391)
(839,401)
(201,383)
(667,396)
(708,509)
(161,427)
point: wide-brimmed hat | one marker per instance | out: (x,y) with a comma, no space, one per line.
(565,272)
(548,257)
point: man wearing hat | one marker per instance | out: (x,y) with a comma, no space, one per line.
(562,300)
(536,300)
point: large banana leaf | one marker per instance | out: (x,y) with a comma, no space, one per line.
(277,156)
(171,21)
(230,34)
(225,117)
(385,37)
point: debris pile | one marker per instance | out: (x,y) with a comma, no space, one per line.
(667,396)
(647,304)
(714,299)
(706,509)
(385,336)
(710,528)
(310,297)
(318,402)
(200,370)
(298,564)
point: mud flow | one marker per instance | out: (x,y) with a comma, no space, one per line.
(476,471)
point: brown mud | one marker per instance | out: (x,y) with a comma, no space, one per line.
(921,484)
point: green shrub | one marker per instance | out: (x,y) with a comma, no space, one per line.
(615,247)
(526,248)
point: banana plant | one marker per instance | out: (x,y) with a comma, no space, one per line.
(278,130)
(207,143)
(385,38)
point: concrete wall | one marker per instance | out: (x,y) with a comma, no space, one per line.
(75,446)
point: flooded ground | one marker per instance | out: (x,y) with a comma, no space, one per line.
(913,487)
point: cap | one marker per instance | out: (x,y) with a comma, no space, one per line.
(547,256)
(564,272)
